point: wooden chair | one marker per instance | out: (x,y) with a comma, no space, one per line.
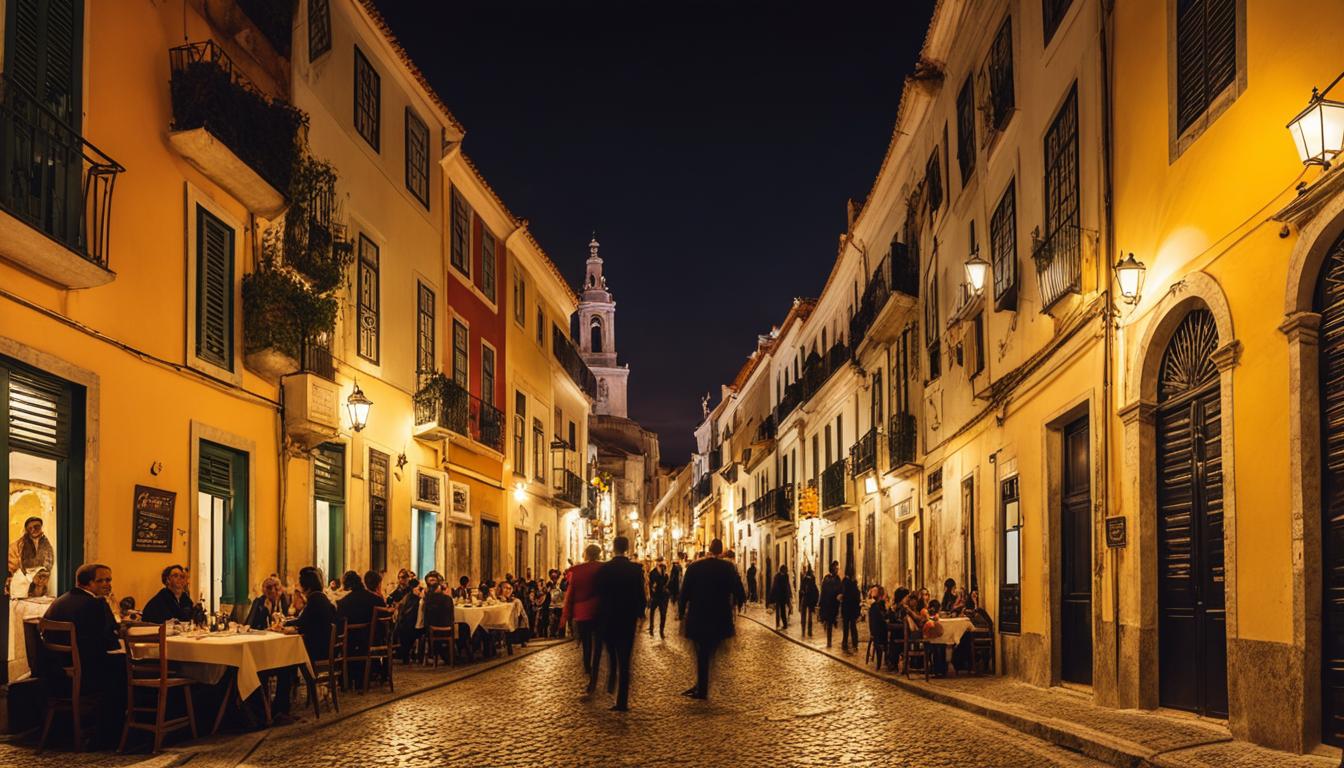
(76,702)
(381,644)
(982,647)
(327,672)
(916,647)
(876,647)
(434,636)
(147,669)
(353,652)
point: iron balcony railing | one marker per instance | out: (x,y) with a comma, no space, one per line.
(569,359)
(775,504)
(317,360)
(819,368)
(441,401)
(863,454)
(901,440)
(834,486)
(701,490)
(568,487)
(897,273)
(766,431)
(742,512)
(1059,263)
(51,178)
(793,396)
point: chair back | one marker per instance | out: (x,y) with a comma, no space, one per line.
(146,652)
(381,627)
(333,648)
(48,630)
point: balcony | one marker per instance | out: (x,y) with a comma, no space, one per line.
(568,488)
(793,396)
(444,410)
(766,431)
(1059,263)
(835,494)
(896,276)
(774,506)
(569,359)
(901,441)
(701,490)
(230,131)
(730,473)
(863,454)
(56,200)
(819,368)
(715,459)
(742,513)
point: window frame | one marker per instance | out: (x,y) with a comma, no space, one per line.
(1010,622)
(966,159)
(373,309)
(426,331)
(417,157)
(462,354)
(1003,248)
(459,235)
(1179,140)
(538,450)
(519,298)
(202,217)
(519,433)
(488,353)
(999,79)
(373,116)
(489,262)
(319,23)
(1053,13)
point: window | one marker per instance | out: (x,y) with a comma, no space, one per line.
(460,244)
(538,450)
(1003,247)
(519,438)
(368,105)
(378,494)
(977,362)
(1052,13)
(1010,580)
(460,337)
(329,507)
(573,437)
(519,298)
(966,130)
(933,180)
(932,339)
(214,290)
(221,525)
(1058,256)
(875,417)
(424,330)
(1000,72)
(319,28)
(1206,56)
(487,284)
(368,299)
(487,375)
(541,323)
(417,157)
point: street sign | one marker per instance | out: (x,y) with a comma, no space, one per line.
(1115,532)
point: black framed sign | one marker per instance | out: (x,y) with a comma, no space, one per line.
(152,520)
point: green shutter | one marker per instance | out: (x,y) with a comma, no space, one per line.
(214,290)
(222,472)
(44,46)
(329,473)
(216,470)
(39,414)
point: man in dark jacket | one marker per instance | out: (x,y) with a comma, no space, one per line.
(356,608)
(658,597)
(781,595)
(314,624)
(807,601)
(829,606)
(172,601)
(849,612)
(437,606)
(271,601)
(710,593)
(620,601)
(674,580)
(751,583)
(100,675)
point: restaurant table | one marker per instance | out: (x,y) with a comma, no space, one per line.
(497,616)
(953,628)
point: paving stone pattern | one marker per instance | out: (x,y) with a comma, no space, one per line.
(772,703)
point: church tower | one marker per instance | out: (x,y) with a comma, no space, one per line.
(597,338)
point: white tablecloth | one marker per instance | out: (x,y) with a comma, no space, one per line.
(953,628)
(19,611)
(250,654)
(498,616)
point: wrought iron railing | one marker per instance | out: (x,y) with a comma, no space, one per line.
(701,490)
(441,401)
(766,430)
(774,504)
(863,454)
(834,486)
(569,359)
(820,367)
(568,487)
(901,440)
(1059,263)
(897,273)
(317,360)
(51,178)
(742,512)
(793,396)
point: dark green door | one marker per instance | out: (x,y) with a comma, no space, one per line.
(221,533)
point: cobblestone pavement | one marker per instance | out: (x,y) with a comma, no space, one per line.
(772,703)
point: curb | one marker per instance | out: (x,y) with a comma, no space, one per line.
(1116,752)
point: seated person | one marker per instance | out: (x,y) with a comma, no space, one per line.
(171,602)
(126,609)
(517,627)
(100,674)
(373,582)
(404,577)
(356,608)
(408,612)
(314,625)
(272,600)
(437,605)
(932,630)
(463,589)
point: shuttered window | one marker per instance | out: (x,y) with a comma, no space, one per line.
(379,466)
(487,375)
(319,28)
(214,290)
(368,299)
(424,329)
(329,473)
(1206,56)
(368,100)
(417,157)
(1052,13)
(487,283)
(933,180)
(216,472)
(44,45)
(932,337)
(1000,75)
(966,130)
(222,473)
(39,414)
(460,238)
(1003,245)
(538,450)
(519,436)
(519,298)
(460,354)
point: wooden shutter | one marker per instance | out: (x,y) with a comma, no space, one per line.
(1206,55)
(378,491)
(39,414)
(329,473)
(368,299)
(214,290)
(44,45)
(215,471)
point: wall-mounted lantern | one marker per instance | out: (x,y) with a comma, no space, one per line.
(358,406)
(1129,273)
(1318,130)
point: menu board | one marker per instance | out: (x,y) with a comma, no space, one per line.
(378,471)
(152,520)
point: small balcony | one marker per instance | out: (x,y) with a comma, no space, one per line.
(569,359)
(793,396)
(568,488)
(893,288)
(701,490)
(766,431)
(901,441)
(222,124)
(444,410)
(56,199)
(863,454)
(742,514)
(819,368)
(835,492)
(775,505)
(1059,263)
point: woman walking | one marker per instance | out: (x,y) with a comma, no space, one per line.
(781,596)
(807,601)
(829,602)
(849,612)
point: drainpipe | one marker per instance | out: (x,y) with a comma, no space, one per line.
(1108,372)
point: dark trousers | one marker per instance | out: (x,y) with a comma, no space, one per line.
(704,655)
(830,627)
(592,650)
(849,631)
(661,607)
(620,641)
(781,615)
(284,687)
(806,629)
(407,635)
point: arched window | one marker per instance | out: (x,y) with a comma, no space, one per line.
(595,335)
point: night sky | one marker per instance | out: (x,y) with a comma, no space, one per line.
(711,145)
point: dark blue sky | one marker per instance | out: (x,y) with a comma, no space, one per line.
(712,145)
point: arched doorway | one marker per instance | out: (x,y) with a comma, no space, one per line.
(1329,302)
(1192,616)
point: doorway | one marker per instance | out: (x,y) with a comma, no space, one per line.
(1076,556)
(424,532)
(220,531)
(489,549)
(329,509)
(461,559)
(1330,304)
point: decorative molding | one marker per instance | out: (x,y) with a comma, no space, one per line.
(1302,327)
(1141,411)
(1227,356)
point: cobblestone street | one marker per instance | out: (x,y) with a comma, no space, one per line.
(772,703)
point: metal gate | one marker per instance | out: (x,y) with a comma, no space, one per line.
(1330,303)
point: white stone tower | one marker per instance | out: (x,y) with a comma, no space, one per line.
(597,338)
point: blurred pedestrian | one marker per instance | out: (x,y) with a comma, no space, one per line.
(620,606)
(781,595)
(709,593)
(850,604)
(581,608)
(807,601)
(828,608)
(658,597)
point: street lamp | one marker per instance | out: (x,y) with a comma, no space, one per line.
(870,484)
(633,515)
(519,492)
(358,406)
(977,269)
(1129,272)
(1318,130)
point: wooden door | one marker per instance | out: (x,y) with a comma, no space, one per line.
(1192,628)
(1076,556)
(1330,303)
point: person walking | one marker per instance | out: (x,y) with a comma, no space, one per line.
(581,608)
(620,605)
(849,612)
(658,597)
(807,601)
(674,580)
(709,593)
(781,594)
(828,607)
(751,583)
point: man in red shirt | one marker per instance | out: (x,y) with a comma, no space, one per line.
(581,607)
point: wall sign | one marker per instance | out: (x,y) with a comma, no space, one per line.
(378,470)
(1116,534)
(152,520)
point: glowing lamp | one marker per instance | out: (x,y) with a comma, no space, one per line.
(977,269)
(870,484)
(519,493)
(358,406)
(633,515)
(1129,273)
(676,534)
(1318,130)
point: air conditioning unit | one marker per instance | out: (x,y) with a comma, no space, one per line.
(312,409)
